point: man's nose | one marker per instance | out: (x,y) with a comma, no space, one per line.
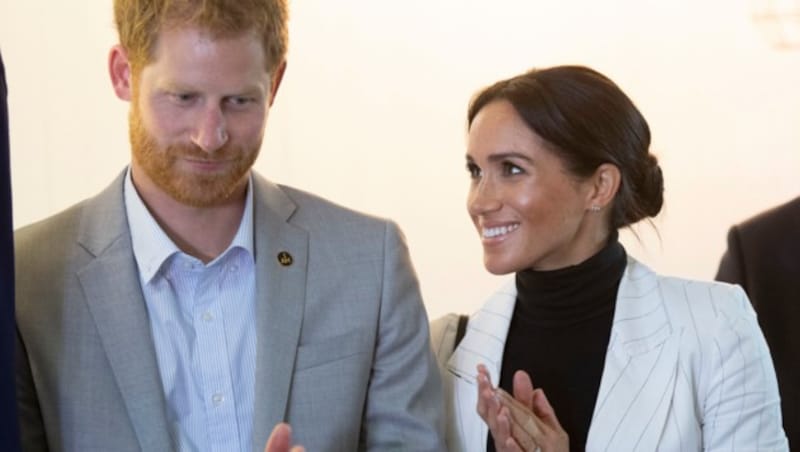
(211,132)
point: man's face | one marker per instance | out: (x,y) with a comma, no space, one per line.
(198,115)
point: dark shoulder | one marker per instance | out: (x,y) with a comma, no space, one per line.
(774,221)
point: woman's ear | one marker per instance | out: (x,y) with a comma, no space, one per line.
(119,68)
(605,184)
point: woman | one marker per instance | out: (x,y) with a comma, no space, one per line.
(620,358)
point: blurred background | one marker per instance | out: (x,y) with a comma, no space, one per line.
(371,113)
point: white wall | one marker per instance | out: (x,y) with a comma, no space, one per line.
(371,113)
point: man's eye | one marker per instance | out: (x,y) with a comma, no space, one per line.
(183,98)
(239,101)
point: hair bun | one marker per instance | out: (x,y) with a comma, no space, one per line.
(651,187)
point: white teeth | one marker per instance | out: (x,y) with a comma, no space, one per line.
(498,231)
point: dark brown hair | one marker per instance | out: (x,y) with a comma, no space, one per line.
(587,120)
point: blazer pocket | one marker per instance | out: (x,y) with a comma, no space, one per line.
(332,349)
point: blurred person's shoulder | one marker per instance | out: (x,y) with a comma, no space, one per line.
(774,220)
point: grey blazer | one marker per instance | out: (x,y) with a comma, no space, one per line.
(686,369)
(343,349)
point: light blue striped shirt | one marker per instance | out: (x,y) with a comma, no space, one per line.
(202,319)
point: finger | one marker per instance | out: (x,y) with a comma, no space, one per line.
(483,375)
(524,421)
(509,400)
(519,412)
(280,440)
(523,388)
(543,409)
(525,427)
(502,431)
(488,406)
(493,408)
(484,389)
(527,434)
(513,446)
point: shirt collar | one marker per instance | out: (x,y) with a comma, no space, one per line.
(151,245)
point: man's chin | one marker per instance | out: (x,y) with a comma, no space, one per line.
(202,192)
(193,200)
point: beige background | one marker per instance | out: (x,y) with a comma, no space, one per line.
(371,112)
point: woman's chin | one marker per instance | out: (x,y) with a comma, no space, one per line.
(499,268)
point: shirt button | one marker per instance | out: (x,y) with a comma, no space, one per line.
(217,399)
(234,268)
(208,317)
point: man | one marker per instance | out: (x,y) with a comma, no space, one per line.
(9,434)
(193,305)
(763,256)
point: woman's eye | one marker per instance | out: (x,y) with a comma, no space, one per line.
(473,170)
(511,169)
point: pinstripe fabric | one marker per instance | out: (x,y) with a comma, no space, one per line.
(201,318)
(686,369)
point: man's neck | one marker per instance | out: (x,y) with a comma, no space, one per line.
(202,232)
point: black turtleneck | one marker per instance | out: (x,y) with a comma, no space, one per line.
(559,334)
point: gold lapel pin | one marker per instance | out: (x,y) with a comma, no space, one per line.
(285,258)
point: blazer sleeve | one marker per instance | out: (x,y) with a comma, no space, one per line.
(404,409)
(32,433)
(731,266)
(740,400)
(443,338)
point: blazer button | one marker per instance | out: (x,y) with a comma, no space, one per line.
(285,259)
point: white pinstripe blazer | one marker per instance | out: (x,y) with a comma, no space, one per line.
(686,369)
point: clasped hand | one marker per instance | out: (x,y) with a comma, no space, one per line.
(522,422)
(280,440)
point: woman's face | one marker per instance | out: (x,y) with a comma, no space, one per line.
(530,212)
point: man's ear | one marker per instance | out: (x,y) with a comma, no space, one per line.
(605,184)
(119,68)
(277,77)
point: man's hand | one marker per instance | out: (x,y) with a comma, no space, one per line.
(280,440)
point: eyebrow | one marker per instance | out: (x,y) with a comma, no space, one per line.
(500,156)
(247,91)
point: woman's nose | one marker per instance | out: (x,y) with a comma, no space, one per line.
(483,197)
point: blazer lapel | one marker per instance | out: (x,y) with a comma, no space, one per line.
(281,273)
(114,297)
(640,368)
(483,343)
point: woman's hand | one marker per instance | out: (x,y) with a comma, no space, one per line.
(524,422)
